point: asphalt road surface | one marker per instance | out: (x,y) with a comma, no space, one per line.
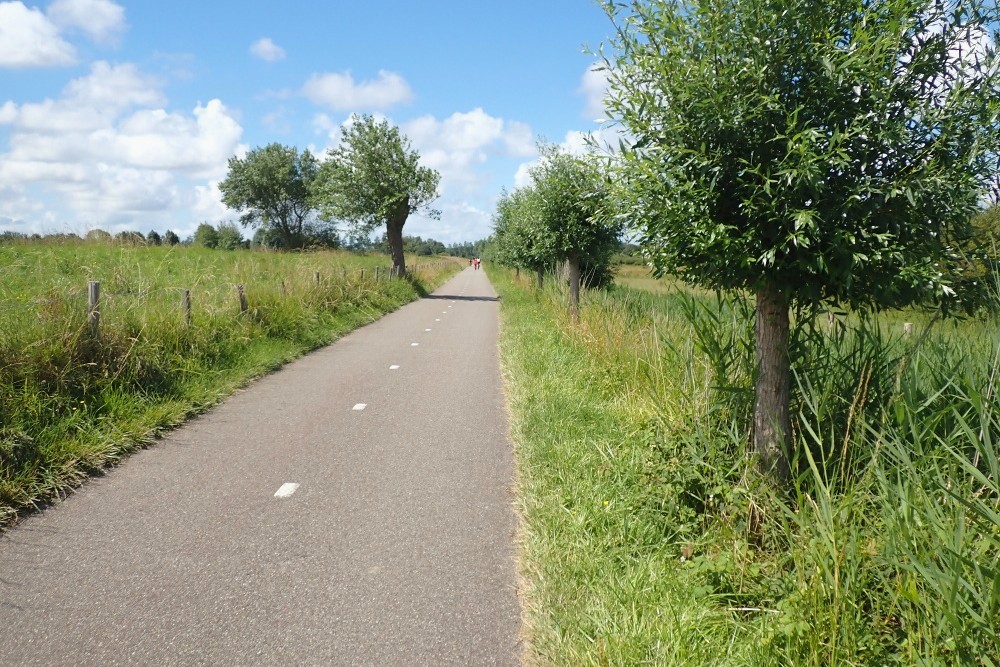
(395,547)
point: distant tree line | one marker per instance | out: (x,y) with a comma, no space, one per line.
(229,236)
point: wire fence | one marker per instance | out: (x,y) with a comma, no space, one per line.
(96,299)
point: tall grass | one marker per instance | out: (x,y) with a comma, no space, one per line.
(71,404)
(650,539)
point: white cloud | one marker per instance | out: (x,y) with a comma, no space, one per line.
(522,177)
(519,139)
(199,146)
(594,87)
(459,144)
(115,87)
(101,20)
(88,103)
(265,49)
(208,204)
(8,113)
(603,141)
(29,39)
(459,132)
(106,150)
(338,90)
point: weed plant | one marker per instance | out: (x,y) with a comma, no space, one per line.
(72,404)
(649,539)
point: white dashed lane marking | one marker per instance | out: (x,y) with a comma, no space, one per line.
(360,406)
(394,367)
(426,329)
(286,490)
(414,344)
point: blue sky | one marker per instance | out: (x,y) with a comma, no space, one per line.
(122,115)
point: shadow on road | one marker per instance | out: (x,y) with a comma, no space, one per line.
(456,297)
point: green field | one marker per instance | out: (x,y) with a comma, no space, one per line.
(72,403)
(649,539)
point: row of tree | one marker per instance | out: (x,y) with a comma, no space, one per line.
(372,179)
(561,217)
(229,236)
(810,154)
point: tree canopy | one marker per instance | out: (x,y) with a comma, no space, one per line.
(373,178)
(806,151)
(271,187)
(558,218)
(205,236)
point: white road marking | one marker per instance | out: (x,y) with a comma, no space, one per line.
(360,406)
(414,344)
(286,490)
(394,367)
(426,329)
(437,319)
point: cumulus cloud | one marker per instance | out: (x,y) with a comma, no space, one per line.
(594,88)
(267,50)
(29,39)
(208,204)
(101,20)
(459,144)
(602,141)
(522,177)
(88,103)
(519,139)
(339,91)
(106,148)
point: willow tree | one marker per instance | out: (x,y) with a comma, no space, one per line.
(271,187)
(809,152)
(373,178)
(570,193)
(518,240)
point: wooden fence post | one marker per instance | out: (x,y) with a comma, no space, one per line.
(241,293)
(186,305)
(317,278)
(362,274)
(94,308)
(377,269)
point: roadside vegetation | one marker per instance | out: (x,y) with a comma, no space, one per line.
(650,537)
(72,402)
(787,455)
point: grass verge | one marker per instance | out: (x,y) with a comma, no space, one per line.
(648,539)
(72,403)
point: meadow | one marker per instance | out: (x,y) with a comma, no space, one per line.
(74,400)
(647,536)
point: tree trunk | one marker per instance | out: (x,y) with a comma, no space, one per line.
(573,270)
(286,237)
(394,235)
(540,273)
(772,424)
